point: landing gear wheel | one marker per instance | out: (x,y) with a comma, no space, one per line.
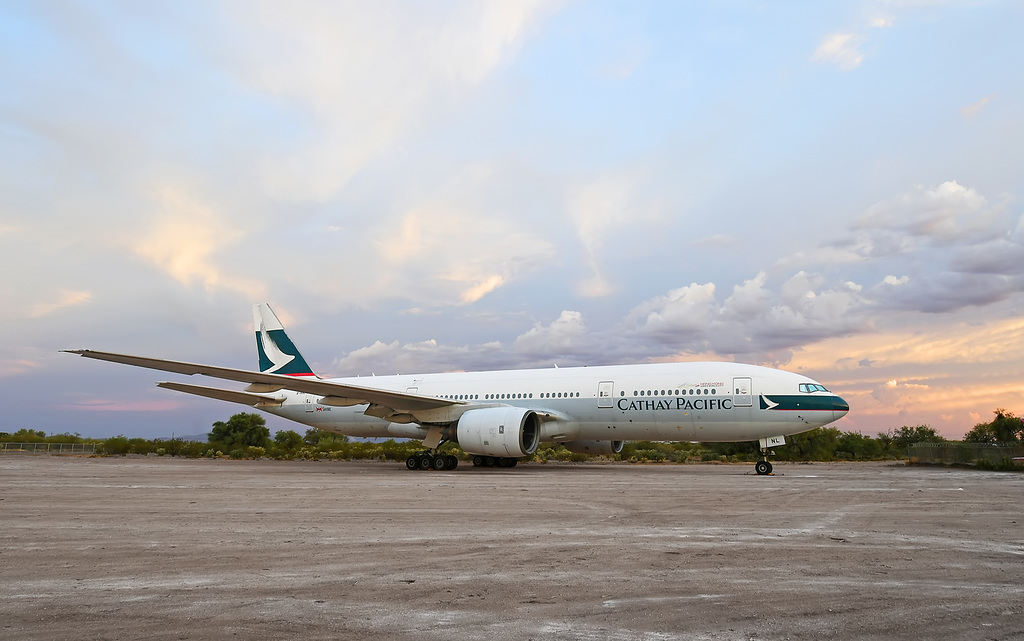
(412,463)
(478,461)
(425,461)
(763,468)
(441,462)
(489,461)
(453,461)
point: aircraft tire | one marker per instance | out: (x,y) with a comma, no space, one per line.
(478,461)
(453,461)
(442,462)
(412,463)
(425,461)
(762,468)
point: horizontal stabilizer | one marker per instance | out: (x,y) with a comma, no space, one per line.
(245,398)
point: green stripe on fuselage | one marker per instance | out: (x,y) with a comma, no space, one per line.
(797,402)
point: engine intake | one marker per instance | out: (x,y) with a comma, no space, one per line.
(595,448)
(499,431)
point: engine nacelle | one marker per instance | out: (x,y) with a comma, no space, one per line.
(499,431)
(595,448)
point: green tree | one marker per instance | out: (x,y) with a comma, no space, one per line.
(818,444)
(288,440)
(240,431)
(858,446)
(1006,427)
(117,445)
(26,436)
(906,435)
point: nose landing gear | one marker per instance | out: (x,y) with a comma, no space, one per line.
(764,466)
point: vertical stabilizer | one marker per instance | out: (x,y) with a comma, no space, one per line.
(277,353)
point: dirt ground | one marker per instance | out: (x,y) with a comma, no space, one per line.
(161,548)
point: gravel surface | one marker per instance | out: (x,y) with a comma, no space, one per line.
(162,548)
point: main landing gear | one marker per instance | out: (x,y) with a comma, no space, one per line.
(432,461)
(494,461)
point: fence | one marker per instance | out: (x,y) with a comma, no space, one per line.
(964,453)
(47,448)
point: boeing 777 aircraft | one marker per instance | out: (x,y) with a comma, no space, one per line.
(502,415)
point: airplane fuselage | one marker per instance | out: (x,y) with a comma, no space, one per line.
(704,401)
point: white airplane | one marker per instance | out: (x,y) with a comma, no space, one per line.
(499,416)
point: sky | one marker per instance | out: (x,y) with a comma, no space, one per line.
(835,189)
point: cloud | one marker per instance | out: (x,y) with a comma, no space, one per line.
(843,48)
(185,239)
(566,335)
(600,206)
(65,298)
(481,289)
(972,110)
(840,49)
(947,213)
(409,358)
(753,322)
(437,254)
(682,313)
(16,367)
(894,281)
(938,373)
(1001,255)
(718,240)
(950,245)
(365,77)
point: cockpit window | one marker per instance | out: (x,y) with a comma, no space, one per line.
(812,387)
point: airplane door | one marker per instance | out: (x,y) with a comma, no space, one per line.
(605,389)
(742,394)
(309,403)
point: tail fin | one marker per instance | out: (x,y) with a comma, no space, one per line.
(277,353)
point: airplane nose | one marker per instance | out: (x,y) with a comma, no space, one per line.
(839,408)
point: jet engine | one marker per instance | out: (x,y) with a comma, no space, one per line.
(499,431)
(595,448)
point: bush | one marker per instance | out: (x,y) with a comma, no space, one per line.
(116,446)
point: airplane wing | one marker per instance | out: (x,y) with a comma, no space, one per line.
(333,393)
